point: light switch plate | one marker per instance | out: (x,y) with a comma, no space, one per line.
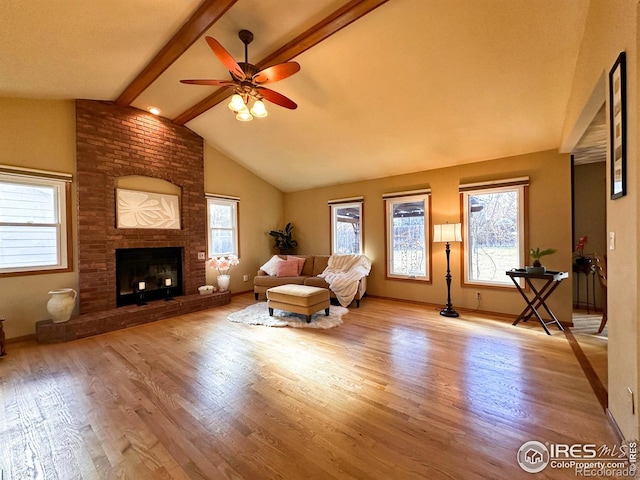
(200,255)
(612,240)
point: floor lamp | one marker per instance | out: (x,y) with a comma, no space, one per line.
(447,233)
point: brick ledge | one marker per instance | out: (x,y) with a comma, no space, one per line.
(95,323)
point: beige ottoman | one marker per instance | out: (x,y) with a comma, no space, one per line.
(298,299)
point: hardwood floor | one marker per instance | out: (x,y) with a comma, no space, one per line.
(396,392)
(594,345)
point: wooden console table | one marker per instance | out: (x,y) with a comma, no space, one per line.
(551,282)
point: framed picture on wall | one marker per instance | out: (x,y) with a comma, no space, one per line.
(618,128)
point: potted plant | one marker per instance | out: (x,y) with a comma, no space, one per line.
(581,260)
(284,241)
(536,255)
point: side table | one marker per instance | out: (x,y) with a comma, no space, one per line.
(586,269)
(551,282)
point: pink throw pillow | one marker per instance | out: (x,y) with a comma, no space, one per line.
(299,260)
(287,268)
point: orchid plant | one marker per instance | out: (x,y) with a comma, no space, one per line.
(581,259)
(579,248)
(223,263)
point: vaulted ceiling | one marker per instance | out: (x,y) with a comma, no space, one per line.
(386,86)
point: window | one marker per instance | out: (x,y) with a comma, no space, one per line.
(223,225)
(346,226)
(407,234)
(494,230)
(33,222)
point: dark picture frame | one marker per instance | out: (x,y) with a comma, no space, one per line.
(618,127)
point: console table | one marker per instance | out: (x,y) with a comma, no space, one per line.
(551,281)
(587,269)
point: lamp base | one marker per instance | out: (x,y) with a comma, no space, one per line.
(449,312)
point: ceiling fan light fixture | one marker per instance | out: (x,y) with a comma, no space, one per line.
(248,81)
(237,103)
(258,109)
(244,115)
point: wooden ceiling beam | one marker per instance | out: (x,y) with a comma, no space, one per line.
(335,22)
(208,13)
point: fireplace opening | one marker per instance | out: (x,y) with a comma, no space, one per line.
(155,272)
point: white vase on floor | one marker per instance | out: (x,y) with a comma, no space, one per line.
(61,304)
(223,282)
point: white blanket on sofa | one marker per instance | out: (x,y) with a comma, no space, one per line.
(343,273)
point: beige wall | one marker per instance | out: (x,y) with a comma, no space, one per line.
(36,134)
(260,210)
(612,28)
(549,226)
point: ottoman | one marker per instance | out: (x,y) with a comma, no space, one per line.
(298,299)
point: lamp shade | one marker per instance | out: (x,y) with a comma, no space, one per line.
(237,103)
(447,232)
(244,115)
(258,109)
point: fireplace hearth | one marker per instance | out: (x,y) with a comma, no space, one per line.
(154,272)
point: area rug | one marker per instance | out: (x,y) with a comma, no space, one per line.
(258,314)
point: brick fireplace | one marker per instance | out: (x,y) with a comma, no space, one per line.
(112,142)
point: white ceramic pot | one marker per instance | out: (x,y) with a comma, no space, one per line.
(61,304)
(223,282)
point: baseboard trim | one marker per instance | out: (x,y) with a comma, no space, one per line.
(500,315)
(244,292)
(23,338)
(614,425)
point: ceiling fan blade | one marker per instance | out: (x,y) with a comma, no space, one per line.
(277,98)
(225,57)
(277,72)
(213,83)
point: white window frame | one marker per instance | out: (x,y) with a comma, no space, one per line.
(391,200)
(232,202)
(59,182)
(519,185)
(334,206)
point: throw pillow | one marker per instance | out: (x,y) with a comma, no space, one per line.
(300,262)
(271,267)
(287,268)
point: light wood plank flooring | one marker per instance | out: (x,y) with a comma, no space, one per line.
(397,392)
(593,344)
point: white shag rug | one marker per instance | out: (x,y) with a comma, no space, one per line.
(258,314)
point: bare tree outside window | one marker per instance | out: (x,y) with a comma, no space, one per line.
(346,231)
(408,251)
(407,237)
(493,235)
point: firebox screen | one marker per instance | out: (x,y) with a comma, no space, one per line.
(156,272)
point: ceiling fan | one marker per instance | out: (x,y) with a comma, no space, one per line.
(247,81)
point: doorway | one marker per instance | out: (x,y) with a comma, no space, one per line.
(589,190)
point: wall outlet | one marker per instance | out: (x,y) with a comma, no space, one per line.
(478,295)
(201,255)
(245,278)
